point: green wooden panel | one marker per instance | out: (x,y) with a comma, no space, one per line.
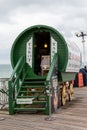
(67,76)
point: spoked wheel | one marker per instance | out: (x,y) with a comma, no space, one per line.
(71,91)
(63,96)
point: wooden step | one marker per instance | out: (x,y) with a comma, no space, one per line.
(33,82)
(33,86)
(37,96)
(32,91)
(35,79)
(36,108)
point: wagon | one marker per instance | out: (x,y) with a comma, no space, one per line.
(44,66)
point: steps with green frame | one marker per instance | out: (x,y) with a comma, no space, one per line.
(35,91)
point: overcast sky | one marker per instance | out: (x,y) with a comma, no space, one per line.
(67,16)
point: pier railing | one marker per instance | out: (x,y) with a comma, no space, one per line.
(3,93)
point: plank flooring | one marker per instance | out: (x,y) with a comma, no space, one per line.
(72,116)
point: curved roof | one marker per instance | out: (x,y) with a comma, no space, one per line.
(19,45)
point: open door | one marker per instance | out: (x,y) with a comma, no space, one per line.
(41,49)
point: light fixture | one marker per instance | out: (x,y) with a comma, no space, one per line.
(45,45)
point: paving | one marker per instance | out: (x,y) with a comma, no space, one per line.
(72,116)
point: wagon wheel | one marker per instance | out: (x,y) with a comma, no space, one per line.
(63,96)
(71,91)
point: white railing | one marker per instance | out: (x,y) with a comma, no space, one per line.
(3,93)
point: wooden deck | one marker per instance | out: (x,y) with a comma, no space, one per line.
(73,116)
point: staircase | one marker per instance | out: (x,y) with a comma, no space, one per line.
(29,92)
(32,96)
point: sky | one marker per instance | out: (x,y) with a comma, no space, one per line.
(67,16)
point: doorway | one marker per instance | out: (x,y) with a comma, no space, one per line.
(41,48)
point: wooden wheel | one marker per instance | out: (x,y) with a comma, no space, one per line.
(71,91)
(63,96)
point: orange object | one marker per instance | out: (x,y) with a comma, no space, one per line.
(80,80)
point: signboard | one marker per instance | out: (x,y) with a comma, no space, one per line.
(53,47)
(29,52)
(24,100)
(73,64)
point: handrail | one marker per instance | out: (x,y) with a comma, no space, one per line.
(53,64)
(20,63)
(14,83)
(52,72)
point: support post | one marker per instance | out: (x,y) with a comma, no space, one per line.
(11,110)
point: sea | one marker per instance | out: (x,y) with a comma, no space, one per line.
(5,70)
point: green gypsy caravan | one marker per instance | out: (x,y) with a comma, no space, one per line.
(44,65)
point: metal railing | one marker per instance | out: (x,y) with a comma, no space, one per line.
(3,93)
